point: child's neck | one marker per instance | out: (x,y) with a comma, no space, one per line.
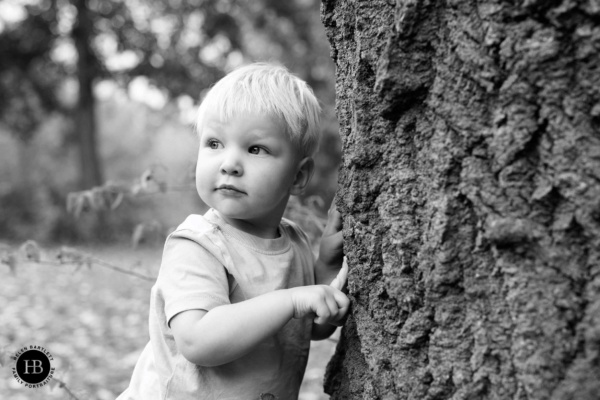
(261,230)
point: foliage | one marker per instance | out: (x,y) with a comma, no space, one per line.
(110,195)
(177,48)
(182,47)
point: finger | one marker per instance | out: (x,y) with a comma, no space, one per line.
(336,284)
(343,307)
(340,318)
(343,274)
(333,244)
(328,309)
(340,280)
(342,301)
(323,314)
(332,304)
(334,218)
(337,238)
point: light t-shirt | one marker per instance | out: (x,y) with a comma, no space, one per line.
(207,263)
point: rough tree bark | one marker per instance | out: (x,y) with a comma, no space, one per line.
(470,188)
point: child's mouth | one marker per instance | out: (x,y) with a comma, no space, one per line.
(228,189)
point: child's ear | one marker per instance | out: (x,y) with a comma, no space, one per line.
(303,176)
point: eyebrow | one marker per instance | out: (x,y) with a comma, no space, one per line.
(253,134)
(260,134)
(213,124)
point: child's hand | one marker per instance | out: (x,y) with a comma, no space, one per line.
(331,253)
(331,250)
(327,303)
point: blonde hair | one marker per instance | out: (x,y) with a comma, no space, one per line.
(270,90)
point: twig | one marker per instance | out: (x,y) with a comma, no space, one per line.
(31,252)
(97,261)
(63,385)
(122,270)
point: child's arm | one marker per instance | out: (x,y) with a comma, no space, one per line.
(228,332)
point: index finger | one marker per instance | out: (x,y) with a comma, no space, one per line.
(340,280)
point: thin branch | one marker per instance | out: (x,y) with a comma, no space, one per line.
(63,385)
(92,260)
(30,252)
(122,270)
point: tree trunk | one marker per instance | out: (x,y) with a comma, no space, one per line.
(85,119)
(470,190)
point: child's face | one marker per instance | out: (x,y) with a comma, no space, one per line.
(247,168)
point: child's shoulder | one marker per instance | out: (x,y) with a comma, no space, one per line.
(193,227)
(196,222)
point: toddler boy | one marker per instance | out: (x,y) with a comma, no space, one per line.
(238,297)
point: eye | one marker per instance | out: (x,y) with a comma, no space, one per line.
(257,150)
(213,144)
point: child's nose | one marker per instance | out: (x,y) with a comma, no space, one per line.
(231,164)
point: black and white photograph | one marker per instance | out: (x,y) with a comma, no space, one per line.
(299,200)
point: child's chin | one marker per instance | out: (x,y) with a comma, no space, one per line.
(242,215)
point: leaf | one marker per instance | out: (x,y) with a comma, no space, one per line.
(136,189)
(75,203)
(114,194)
(154,179)
(106,197)
(116,200)
(97,199)
(144,231)
(31,251)
(148,184)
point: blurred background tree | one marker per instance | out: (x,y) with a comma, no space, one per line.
(94,90)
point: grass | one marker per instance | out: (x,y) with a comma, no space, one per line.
(94,323)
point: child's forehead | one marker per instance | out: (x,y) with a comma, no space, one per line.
(221,118)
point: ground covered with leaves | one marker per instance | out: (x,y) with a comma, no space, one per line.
(93,320)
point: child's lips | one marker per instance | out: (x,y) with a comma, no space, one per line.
(229,189)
